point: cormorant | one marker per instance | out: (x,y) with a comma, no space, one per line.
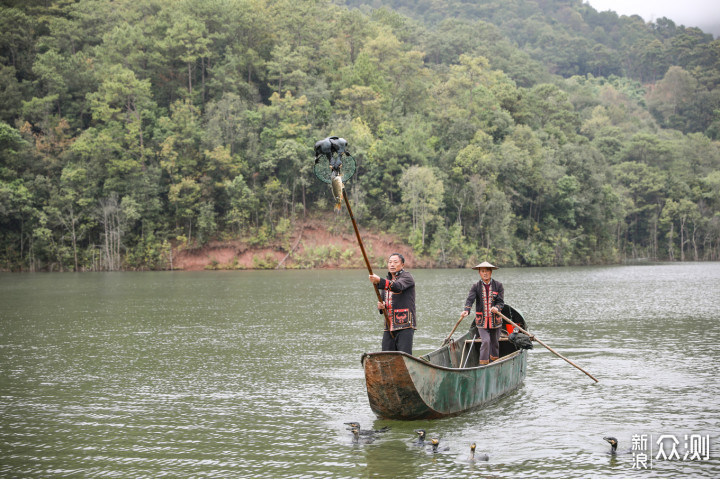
(436,446)
(327,147)
(357,439)
(420,441)
(613,446)
(366,432)
(476,457)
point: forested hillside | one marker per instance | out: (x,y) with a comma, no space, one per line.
(529,132)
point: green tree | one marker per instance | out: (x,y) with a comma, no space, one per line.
(422,192)
(124,101)
(187,40)
(184,198)
(645,189)
(17,44)
(671,94)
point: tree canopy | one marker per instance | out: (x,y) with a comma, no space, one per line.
(534,132)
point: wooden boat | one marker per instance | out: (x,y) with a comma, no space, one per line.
(445,382)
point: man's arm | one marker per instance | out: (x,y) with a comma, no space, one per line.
(405,281)
(470,299)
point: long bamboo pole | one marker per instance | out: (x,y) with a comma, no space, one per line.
(367,262)
(548,347)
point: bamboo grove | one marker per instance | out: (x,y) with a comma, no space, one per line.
(534,132)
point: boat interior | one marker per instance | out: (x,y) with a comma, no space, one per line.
(465,351)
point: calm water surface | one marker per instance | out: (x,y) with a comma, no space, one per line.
(252,374)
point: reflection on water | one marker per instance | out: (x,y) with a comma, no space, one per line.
(253,374)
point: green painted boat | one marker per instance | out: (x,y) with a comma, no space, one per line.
(405,387)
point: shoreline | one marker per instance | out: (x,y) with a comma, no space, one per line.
(311,246)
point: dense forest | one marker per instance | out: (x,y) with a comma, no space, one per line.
(530,132)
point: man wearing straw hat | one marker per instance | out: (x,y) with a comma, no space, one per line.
(488,294)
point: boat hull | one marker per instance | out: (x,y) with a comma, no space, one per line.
(405,387)
(401,386)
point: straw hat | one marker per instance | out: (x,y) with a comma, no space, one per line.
(485,264)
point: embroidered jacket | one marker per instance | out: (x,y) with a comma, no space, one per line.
(399,298)
(483,317)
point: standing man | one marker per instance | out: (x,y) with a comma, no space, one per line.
(398,294)
(489,296)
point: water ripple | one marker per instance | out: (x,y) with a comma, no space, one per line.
(206,375)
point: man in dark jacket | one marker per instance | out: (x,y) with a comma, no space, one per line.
(488,294)
(398,294)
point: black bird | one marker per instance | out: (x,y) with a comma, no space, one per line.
(328,147)
(357,439)
(476,457)
(366,432)
(420,441)
(520,340)
(435,448)
(613,446)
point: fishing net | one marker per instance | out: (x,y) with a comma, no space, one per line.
(323,171)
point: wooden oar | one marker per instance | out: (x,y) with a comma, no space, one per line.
(447,340)
(367,262)
(532,336)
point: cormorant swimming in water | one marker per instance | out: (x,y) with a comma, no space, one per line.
(360,440)
(420,441)
(366,432)
(479,457)
(613,446)
(435,446)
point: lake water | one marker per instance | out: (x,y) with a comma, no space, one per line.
(253,374)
